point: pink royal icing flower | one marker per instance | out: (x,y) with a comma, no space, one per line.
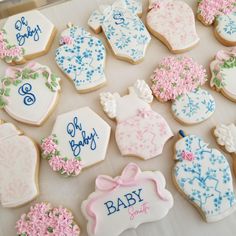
(188,156)
(66,40)
(57,163)
(48,146)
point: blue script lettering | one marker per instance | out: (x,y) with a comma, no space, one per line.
(29,98)
(86,139)
(118,18)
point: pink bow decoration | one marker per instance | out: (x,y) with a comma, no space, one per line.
(144,113)
(188,156)
(155,4)
(66,40)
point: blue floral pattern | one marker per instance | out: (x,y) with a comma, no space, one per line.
(194,107)
(82,58)
(123,29)
(206,180)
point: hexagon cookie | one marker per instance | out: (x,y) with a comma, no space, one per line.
(79,139)
(25,36)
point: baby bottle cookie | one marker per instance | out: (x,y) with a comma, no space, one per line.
(82,58)
(18,167)
(30,93)
(173,23)
(25,36)
(203,175)
(79,139)
(125,32)
(126,201)
(223,14)
(140,131)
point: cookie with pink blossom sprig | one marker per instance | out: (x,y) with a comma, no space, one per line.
(221,13)
(178,79)
(44,219)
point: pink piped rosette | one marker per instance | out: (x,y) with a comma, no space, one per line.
(43,219)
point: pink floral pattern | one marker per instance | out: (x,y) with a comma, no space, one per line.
(56,161)
(208,10)
(189,156)
(175,76)
(42,219)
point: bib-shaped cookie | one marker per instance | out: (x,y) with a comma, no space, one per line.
(25,36)
(223,70)
(223,14)
(124,31)
(44,219)
(126,201)
(29,94)
(140,131)
(82,58)
(193,107)
(173,23)
(79,139)
(18,167)
(203,175)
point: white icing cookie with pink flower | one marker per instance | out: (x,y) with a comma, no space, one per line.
(173,23)
(140,131)
(126,201)
(223,14)
(44,219)
(79,139)
(18,167)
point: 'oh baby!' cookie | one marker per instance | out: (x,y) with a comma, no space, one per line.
(140,131)
(223,70)
(125,32)
(82,58)
(126,201)
(173,23)
(203,175)
(44,219)
(18,167)
(178,79)
(25,36)
(30,93)
(79,139)
(223,14)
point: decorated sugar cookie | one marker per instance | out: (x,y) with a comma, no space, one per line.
(203,175)
(223,14)
(223,70)
(178,79)
(79,139)
(25,36)
(173,23)
(44,219)
(125,32)
(226,137)
(140,131)
(82,58)
(30,93)
(126,201)
(18,167)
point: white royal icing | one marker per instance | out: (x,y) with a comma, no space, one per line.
(194,107)
(18,167)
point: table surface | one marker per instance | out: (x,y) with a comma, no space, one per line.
(183,219)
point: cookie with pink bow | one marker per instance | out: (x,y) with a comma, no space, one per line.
(30,93)
(178,79)
(173,23)
(126,201)
(140,131)
(223,71)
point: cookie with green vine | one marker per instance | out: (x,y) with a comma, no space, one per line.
(30,93)
(223,73)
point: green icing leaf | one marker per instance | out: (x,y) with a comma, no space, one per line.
(7,92)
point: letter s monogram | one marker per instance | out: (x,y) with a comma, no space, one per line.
(118,18)
(29,98)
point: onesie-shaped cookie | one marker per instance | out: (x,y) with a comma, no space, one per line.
(140,131)
(125,32)
(203,175)
(126,201)
(18,167)
(223,70)
(226,137)
(173,23)
(29,94)
(178,79)
(223,14)
(25,36)
(82,58)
